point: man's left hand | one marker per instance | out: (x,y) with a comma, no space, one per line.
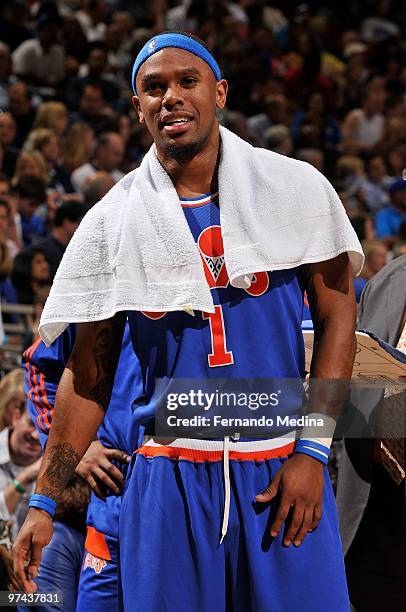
(299,483)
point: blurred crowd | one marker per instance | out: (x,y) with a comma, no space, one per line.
(323,82)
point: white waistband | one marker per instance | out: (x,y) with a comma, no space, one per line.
(218,445)
(225,445)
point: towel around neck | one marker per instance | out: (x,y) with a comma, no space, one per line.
(134,250)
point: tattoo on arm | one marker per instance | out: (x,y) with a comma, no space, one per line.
(61,461)
(102,355)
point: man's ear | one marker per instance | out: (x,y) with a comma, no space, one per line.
(221,93)
(136,104)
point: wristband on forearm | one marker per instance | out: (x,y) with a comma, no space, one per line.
(42,502)
(313,449)
(317,447)
(18,486)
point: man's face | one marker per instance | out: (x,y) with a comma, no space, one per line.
(97,61)
(24,438)
(377,257)
(19,101)
(7,129)
(91,103)
(377,169)
(110,156)
(177,98)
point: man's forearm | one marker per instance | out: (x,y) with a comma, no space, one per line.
(81,401)
(75,423)
(333,308)
(331,368)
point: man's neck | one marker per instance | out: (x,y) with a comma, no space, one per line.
(197,175)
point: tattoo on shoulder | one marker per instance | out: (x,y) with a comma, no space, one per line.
(102,355)
(61,461)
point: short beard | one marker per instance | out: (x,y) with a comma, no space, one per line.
(183,153)
(186,152)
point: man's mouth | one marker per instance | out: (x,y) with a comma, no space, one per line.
(176,125)
(177,122)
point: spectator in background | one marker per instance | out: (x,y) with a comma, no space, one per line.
(5,73)
(52,115)
(30,163)
(30,274)
(93,108)
(314,126)
(313,157)
(22,110)
(380,26)
(5,187)
(389,220)
(67,219)
(8,131)
(95,71)
(96,186)
(7,293)
(236,122)
(109,154)
(13,16)
(376,184)
(79,146)
(396,161)
(139,143)
(41,60)
(276,113)
(11,231)
(399,249)
(30,194)
(376,257)
(7,226)
(363,127)
(91,18)
(350,173)
(278,139)
(45,141)
(11,396)
(20,460)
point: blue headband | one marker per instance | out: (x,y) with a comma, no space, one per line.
(179,41)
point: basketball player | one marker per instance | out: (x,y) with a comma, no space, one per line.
(209,525)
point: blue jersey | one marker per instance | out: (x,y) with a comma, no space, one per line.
(253,333)
(43,370)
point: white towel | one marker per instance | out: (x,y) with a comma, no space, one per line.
(134,249)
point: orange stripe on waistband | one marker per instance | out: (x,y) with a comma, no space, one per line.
(96,544)
(200,456)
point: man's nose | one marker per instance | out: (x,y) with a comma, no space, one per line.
(172,96)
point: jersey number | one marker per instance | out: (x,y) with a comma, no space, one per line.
(219,355)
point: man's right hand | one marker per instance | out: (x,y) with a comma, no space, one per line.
(35,533)
(97,468)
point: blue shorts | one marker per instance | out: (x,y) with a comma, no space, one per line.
(170,527)
(98,584)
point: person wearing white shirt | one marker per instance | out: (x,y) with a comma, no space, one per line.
(41,60)
(20,459)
